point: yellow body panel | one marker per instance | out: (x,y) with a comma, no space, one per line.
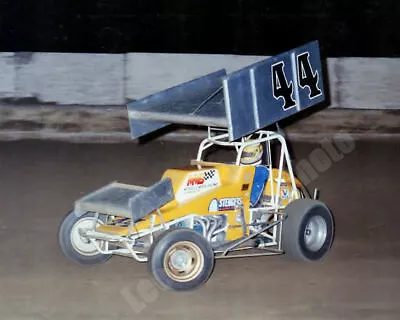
(234,182)
(285,194)
(195,190)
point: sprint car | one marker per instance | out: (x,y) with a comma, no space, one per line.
(251,206)
(206,211)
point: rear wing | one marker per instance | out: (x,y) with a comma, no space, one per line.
(243,102)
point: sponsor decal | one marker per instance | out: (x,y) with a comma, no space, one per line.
(224,204)
(197,182)
(213,206)
(284,193)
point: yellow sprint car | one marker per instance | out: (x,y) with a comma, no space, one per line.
(212,210)
(203,212)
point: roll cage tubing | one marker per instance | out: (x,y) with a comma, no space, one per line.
(261,136)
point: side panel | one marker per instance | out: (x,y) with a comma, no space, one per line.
(239,104)
(236,183)
(273,89)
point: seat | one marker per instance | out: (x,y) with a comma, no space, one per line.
(261,175)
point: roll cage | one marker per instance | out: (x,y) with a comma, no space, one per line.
(220,137)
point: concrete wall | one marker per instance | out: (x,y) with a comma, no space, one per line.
(113,79)
(7,75)
(149,73)
(61,78)
(365,83)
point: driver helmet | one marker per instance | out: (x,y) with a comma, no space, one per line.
(252,155)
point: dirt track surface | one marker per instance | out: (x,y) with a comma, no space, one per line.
(39,182)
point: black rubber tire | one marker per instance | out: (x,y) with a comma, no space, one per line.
(160,247)
(64,238)
(299,213)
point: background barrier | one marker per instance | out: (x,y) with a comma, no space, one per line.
(114,79)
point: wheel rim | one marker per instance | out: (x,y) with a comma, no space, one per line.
(81,244)
(183,261)
(315,233)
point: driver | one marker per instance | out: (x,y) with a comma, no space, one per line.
(252,155)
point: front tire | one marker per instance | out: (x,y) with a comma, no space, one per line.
(181,260)
(75,247)
(308,231)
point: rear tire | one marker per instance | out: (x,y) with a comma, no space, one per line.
(181,260)
(75,247)
(307,233)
